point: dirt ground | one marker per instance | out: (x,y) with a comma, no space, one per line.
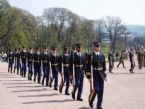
(122,91)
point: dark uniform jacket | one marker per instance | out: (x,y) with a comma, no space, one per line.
(23,56)
(99,64)
(45,59)
(30,58)
(11,57)
(79,64)
(18,57)
(65,60)
(37,59)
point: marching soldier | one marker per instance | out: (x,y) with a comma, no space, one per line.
(65,71)
(111,60)
(131,56)
(99,68)
(121,60)
(30,63)
(54,60)
(37,65)
(45,66)
(10,61)
(79,67)
(23,60)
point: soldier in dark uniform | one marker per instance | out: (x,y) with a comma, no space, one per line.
(65,71)
(79,67)
(30,63)
(111,60)
(54,60)
(18,57)
(37,65)
(121,60)
(99,68)
(24,60)
(10,61)
(46,66)
(131,56)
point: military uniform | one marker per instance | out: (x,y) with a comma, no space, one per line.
(37,66)
(121,60)
(99,68)
(54,60)
(79,67)
(131,56)
(10,61)
(65,65)
(30,64)
(46,67)
(18,56)
(24,60)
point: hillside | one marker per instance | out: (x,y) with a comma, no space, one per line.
(137,29)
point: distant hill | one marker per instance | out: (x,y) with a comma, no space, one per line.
(137,29)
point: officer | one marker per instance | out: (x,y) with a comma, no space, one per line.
(23,60)
(10,61)
(99,68)
(45,66)
(131,56)
(37,65)
(79,67)
(18,57)
(111,60)
(54,60)
(30,63)
(65,71)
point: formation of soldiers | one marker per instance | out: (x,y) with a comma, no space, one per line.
(45,66)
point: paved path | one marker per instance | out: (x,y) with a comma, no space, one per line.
(122,91)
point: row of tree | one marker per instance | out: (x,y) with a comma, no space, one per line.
(57,26)
(17,27)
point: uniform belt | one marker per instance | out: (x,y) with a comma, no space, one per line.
(66,65)
(78,65)
(45,61)
(98,68)
(54,64)
(37,61)
(29,60)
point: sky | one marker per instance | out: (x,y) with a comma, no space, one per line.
(132,12)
